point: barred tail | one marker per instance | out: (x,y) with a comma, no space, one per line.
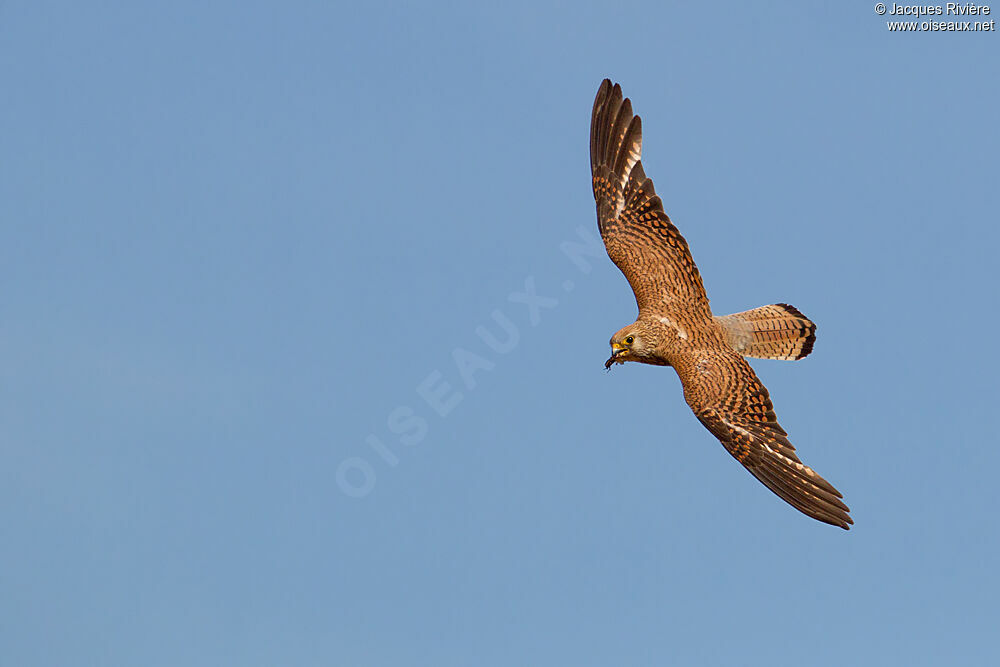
(779,331)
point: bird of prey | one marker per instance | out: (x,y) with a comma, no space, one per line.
(675,326)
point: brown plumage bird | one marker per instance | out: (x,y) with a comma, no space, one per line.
(675,326)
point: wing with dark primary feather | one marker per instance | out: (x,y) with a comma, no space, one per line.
(726,396)
(638,235)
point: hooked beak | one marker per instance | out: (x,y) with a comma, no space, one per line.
(617,350)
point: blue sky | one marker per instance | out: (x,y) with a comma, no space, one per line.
(239,238)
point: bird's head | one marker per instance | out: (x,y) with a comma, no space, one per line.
(631,343)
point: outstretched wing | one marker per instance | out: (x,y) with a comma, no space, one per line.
(726,396)
(638,235)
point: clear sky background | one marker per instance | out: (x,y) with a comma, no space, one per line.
(237,237)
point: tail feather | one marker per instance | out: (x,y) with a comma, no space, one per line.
(778,331)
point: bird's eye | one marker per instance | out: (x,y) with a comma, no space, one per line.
(629,340)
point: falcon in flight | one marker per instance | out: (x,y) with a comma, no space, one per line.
(675,326)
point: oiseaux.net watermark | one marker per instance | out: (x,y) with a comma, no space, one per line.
(961,17)
(439,393)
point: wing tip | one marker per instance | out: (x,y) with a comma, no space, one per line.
(846,522)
